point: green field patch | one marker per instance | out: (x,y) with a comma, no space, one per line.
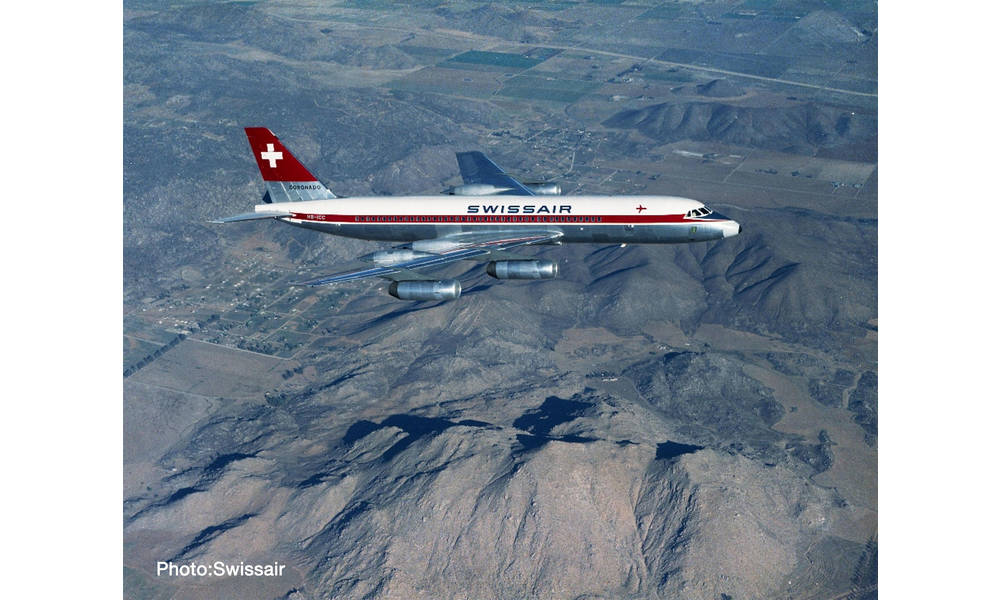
(541,53)
(426,51)
(545,88)
(759,4)
(750,64)
(753,64)
(858,6)
(458,82)
(492,59)
(665,11)
(684,55)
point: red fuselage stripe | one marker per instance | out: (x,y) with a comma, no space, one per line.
(462,219)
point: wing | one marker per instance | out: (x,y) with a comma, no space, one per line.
(477,250)
(476,168)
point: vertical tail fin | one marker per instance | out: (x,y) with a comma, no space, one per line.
(285,177)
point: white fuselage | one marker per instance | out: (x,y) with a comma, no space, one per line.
(580,219)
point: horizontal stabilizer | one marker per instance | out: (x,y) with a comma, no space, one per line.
(253,216)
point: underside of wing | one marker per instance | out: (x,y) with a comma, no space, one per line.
(480,248)
(476,168)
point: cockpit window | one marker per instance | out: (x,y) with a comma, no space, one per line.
(699,212)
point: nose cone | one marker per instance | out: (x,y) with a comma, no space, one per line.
(731,228)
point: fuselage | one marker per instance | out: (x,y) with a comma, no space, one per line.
(580,219)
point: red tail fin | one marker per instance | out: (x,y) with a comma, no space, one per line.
(285,177)
(275,161)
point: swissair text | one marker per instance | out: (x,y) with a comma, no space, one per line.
(513,209)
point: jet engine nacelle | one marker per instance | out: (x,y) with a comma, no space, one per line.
(522,269)
(544,189)
(387,258)
(448,289)
(477,189)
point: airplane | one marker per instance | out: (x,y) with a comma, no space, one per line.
(482,219)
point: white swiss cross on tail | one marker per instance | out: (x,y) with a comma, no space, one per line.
(275,161)
(272,156)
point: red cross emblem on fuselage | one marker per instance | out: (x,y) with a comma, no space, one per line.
(640,208)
